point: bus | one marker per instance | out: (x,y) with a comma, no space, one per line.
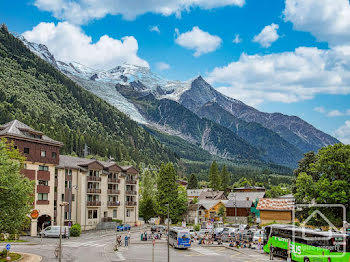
(179,237)
(307,245)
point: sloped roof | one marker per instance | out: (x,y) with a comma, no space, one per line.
(212,195)
(18,129)
(196,192)
(242,196)
(239,203)
(277,204)
(208,204)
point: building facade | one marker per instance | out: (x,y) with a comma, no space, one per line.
(96,191)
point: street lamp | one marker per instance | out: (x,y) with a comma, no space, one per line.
(60,245)
(168,231)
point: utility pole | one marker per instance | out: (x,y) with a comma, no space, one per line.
(60,245)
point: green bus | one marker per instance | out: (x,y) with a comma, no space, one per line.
(307,245)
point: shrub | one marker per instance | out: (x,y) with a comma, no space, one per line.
(118,221)
(75,230)
(197,227)
(3,253)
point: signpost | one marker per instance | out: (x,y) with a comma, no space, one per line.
(153,244)
(8,247)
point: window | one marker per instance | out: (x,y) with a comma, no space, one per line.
(67,216)
(92,214)
(62,197)
(114,213)
(43,153)
(53,155)
(128,212)
(15,147)
(68,184)
(73,197)
(26,150)
(68,172)
(55,189)
(43,168)
(43,183)
(42,196)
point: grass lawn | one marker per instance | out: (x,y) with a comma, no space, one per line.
(13,256)
(13,241)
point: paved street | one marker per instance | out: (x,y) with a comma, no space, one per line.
(98,246)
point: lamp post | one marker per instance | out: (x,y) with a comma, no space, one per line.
(60,245)
(168,232)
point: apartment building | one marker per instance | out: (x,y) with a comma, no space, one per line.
(96,191)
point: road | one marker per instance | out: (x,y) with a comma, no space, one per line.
(99,246)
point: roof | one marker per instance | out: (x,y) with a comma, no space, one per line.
(240,196)
(277,204)
(212,195)
(196,192)
(247,187)
(79,163)
(290,196)
(239,203)
(18,129)
(208,204)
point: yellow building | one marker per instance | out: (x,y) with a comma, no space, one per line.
(212,208)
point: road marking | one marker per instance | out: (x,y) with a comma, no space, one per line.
(120,256)
(204,251)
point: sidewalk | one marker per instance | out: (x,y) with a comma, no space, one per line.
(26,257)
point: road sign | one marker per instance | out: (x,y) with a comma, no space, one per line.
(8,247)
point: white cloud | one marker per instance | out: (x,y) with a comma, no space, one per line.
(284,77)
(333,113)
(267,36)
(198,40)
(237,39)
(343,133)
(154,29)
(69,43)
(320,109)
(327,20)
(162,66)
(82,11)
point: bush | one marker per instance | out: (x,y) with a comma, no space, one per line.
(75,230)
(3,253)
(197,227)
(118,221)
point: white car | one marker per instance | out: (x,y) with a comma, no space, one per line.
(54,231)
(258,234)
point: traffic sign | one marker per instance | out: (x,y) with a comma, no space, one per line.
(8,247)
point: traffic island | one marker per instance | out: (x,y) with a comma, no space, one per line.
(12,256)
(26,257)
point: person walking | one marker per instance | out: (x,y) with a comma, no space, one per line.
(126,239)
(272,249)
(259,243)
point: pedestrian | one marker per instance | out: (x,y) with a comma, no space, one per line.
(145,236)
(120,240)
(272,249)
(126,239)
(259,243)
(129,237)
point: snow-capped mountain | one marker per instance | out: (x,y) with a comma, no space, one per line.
(129,87)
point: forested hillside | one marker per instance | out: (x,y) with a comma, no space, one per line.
(37,94)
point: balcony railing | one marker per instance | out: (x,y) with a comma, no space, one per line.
(42,189)
(94,191)
(130,192)
(130,203)
(113,192)
(133,182)
(93,178)
(93,203)
(113,203)
(113,180)
(42,202)
(43,175)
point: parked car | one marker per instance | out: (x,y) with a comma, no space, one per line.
(258,234)
(202,232)
(227,234)
(125,227)
(54,231)
(217,232)
(158,228)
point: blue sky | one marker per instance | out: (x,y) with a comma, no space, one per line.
(293,56)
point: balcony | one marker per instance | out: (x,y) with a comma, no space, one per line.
(132,182)
(28,173)
(43,175)
(42,202)
(130,203)
(113,203)
(130,192)
(113,180)
(93,191)
(93,178)
(113,192)
(42,189)
(93,203)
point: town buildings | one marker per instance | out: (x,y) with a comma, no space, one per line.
(275,210)
(97,191)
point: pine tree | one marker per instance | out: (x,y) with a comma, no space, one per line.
(193,182)
(214,178)
(147,207)
(225,178)
(167,192)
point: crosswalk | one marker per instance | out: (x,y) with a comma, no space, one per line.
(205,251)
(84,244)
(120,256)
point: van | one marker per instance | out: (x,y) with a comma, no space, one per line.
(54,231)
